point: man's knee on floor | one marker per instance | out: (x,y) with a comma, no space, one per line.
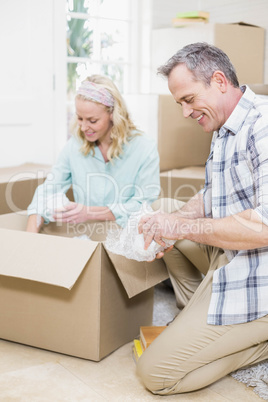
(144,372)
(152,378)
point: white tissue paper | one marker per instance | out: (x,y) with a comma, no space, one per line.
(129,243)
(55,203)
(82,237)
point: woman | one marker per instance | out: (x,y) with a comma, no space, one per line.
(112,167)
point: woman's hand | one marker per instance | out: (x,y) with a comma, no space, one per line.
(72,213)
(78,213)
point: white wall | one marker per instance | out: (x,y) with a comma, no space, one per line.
(32,42)
(221,11)
(27,81)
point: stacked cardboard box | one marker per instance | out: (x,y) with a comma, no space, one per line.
(183,146)
(17,185)
(243,43)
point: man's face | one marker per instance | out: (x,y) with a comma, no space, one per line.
(200,102)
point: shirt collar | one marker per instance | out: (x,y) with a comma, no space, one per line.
(239,114)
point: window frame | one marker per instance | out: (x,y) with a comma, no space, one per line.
(138,64)
(132,44)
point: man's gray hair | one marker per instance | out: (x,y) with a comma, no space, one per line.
(202,60)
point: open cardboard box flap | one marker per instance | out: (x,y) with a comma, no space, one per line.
(48,259)
(138,276)
(58,260)
(245,24)
(94,317)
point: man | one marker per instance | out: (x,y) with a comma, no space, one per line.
(219,265)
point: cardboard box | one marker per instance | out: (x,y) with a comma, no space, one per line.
(243,43)
(181,142)
(17,185)
(259,89)
(70,295)
(182,184)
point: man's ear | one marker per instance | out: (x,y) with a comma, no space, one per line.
(220,80)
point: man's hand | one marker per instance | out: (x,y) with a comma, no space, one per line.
(162,253)
(158,227)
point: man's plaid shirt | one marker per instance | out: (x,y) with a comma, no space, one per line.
(237,180)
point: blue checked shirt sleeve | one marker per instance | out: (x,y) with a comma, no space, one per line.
(259,150)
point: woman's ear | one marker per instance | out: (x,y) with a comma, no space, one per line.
(220,80)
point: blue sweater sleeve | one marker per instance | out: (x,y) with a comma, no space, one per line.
(58,180)
(122,185)
(146,186)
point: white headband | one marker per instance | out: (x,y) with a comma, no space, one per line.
(96,92)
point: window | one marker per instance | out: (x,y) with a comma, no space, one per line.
(98,39)
(108,37)
(101,39)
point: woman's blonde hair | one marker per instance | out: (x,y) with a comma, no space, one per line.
(123,128)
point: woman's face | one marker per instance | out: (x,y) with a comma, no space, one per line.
(94,120)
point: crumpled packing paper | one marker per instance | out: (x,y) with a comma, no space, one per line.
(82,237)
(129,243)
